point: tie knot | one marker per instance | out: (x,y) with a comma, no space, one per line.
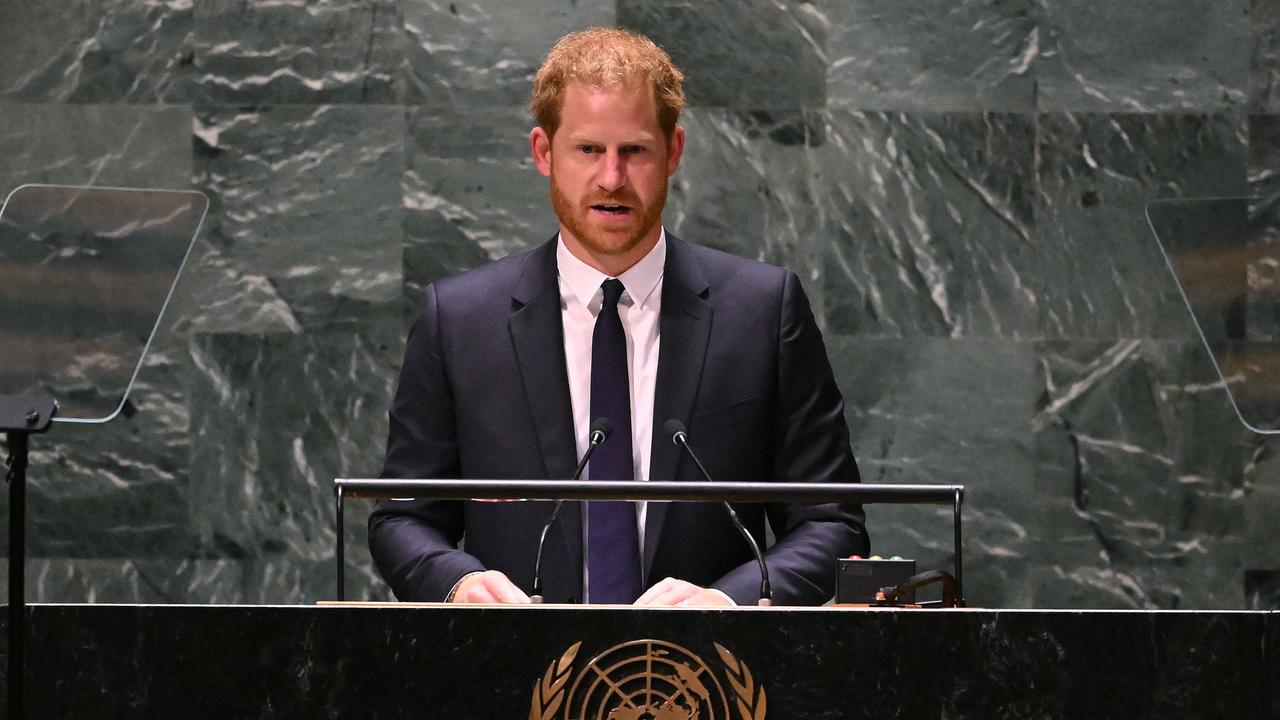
(612,291)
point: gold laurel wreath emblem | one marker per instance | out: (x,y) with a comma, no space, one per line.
(549,692)
(751,705)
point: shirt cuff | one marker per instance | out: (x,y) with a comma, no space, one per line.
(722,593)
(454,590)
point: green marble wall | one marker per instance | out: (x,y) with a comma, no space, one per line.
(959,183)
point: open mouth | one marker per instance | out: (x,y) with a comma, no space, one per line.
(611,208)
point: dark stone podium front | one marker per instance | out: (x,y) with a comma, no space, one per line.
(123,661)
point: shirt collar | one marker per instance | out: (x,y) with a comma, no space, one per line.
(583,281)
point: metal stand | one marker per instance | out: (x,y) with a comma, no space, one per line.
(341,550)
(20,418)
(959,564)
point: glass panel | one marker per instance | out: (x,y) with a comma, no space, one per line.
(1225,255)
(85,273)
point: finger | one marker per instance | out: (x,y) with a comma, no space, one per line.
(674,593)
(476,593)
(499,589)
(679,595)
(485,587)
(660,600)
(659,588)
(702,598)
(509,593)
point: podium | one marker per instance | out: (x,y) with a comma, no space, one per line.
(429,662)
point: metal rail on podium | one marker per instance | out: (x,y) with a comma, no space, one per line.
(867,494)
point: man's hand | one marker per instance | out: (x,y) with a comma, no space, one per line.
(678,593)
(489,586)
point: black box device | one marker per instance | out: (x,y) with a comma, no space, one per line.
(858,579)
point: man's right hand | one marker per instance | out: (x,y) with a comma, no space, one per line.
(489,586)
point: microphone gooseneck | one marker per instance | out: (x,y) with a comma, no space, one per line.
(680,436)
(601,430)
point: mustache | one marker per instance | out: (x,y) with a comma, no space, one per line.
(617,198)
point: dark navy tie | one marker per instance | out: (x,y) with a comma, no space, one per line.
(613,544)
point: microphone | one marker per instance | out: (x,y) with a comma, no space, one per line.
(676,430)
(601,430)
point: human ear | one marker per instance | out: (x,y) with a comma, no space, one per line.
(675,148)
(540,148)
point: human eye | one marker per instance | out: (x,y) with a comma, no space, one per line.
(588,149)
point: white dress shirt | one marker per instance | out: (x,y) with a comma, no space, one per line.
(639,308)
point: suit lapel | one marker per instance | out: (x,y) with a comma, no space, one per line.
(685,326)
(537,333)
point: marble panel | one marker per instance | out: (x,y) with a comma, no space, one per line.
(1261,537)
(97,51)
(784,66)
(1142,494)
(173,580)
(116,490)
(290,581)
(197,580)
(363,581)
(1142,57)
(750,184)
(1264,159)
(1100,272)
(299,51)
(469,55)
(280,417)
(305,218)
(1256,279)
(108,145)
(1262,589)
(471,194)
(1264,66)
(942,411)
(219,293)
(931,225)
(932,56)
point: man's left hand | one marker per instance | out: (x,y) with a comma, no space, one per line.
(671,592)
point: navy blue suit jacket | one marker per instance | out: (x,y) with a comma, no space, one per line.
(484,393)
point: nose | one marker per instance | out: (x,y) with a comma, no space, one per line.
(613,172)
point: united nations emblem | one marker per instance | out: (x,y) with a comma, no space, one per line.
(647,680)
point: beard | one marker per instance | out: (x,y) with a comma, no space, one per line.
(602,241)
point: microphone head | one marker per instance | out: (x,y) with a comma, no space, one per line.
(673,427)
(603,426)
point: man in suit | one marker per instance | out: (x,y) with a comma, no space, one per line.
(508,365)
